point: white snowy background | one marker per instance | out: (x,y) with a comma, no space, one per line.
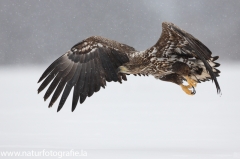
(141,118)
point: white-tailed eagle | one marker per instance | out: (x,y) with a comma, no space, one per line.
(176,57)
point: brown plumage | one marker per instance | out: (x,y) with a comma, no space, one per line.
(176,57)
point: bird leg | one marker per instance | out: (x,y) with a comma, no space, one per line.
(183,69)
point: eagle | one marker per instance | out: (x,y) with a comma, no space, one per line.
(177,57)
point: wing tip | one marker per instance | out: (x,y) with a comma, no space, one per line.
(50,105)
(59,108)
(82,97)
(219,92)
(74,105)
(40,79)
(73,108)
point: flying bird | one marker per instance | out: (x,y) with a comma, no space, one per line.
(176,57)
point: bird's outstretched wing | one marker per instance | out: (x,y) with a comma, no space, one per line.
(86,67)
(175,41)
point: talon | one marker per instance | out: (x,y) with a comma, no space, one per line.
(193,91)
(187,90)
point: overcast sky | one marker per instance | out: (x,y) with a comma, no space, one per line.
(36,32)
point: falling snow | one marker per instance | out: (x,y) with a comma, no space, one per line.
(143,117)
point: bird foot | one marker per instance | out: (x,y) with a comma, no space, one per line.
(187,89)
